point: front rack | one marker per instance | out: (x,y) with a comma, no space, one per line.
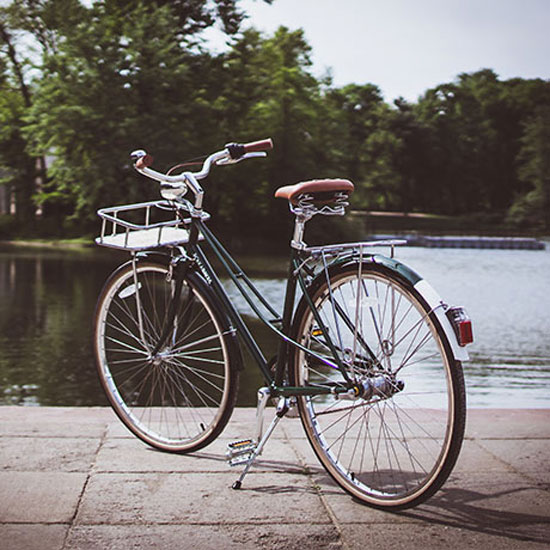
(145,225)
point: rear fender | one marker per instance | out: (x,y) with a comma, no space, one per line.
(427,293)
(431,297)
(439,308)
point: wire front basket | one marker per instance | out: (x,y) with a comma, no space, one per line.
(143,226)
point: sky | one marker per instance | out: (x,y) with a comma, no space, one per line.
(408,46)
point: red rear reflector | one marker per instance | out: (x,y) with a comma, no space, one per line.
(465,333)
(461,324)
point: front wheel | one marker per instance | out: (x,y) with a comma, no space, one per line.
(394,441)
(177,398)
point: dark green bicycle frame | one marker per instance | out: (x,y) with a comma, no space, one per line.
(280,325)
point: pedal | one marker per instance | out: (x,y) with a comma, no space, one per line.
(240,452)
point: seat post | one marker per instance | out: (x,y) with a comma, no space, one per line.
(308,198)
(299,228)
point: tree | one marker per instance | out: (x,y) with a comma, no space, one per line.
(109,74)
(266,90)
(100,80)
(192,16)
(111,84)
(457,137)
(365,145)
(532,209)
(17,168)
(475,125)
(413,160)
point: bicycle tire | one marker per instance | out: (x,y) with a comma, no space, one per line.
(180,399)
(394,448)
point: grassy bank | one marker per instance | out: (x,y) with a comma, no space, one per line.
(81,242)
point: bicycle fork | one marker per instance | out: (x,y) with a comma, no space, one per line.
(247,450)
(176,274)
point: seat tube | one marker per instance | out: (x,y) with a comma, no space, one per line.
(297,242)
(296,245)
(288,308)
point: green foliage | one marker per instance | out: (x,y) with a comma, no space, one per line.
(361,144)
(532,209)
(101,79)
(190,16)
(111,81)
(17,168)
(473,130)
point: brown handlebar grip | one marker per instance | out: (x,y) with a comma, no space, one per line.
(144,162)
(255,146)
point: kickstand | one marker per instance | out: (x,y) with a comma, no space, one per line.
(282,409)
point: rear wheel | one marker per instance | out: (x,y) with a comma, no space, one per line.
(180,397)
(394,441)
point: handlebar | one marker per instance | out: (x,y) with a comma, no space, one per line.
(233,153)
(262,145)
(238,150)
(144,161)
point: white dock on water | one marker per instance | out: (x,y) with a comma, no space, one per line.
(503,243)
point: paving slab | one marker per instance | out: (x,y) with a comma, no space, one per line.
(58,454)
(131,455)
(75,478)
(241,426)
(508,423)
(205,537)
(51,428)
(525,455)
(32,536)
(40,497)
(203,498)
(73,422)
(439,536)
(473,457)
(500,498)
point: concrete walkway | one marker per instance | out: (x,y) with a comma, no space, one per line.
(74,478)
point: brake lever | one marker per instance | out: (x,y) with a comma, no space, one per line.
(228,160)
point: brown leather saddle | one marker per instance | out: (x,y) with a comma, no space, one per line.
(319,192)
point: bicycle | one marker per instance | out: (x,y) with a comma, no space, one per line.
(368,352)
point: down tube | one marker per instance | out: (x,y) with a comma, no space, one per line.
(233,314)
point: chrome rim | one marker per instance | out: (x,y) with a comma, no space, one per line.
(387,446)
(176,396)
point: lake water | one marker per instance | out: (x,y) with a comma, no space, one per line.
(47,299)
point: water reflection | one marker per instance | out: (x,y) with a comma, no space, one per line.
(507,293)
(45,318)
(47,299)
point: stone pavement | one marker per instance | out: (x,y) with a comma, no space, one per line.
(74,478)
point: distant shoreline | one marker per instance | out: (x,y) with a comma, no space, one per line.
(48,243)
